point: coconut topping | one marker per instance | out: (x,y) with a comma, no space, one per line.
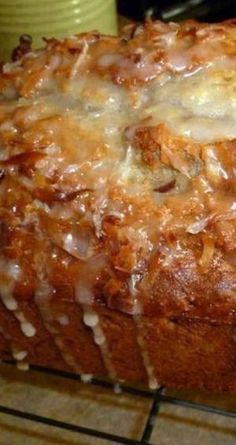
(117,168)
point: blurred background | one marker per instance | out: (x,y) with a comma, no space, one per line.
(176,10)
(58,18)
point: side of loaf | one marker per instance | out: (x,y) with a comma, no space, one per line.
(118,206)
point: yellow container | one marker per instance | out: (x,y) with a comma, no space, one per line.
(52,18)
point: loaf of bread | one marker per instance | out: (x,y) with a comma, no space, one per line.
(118,206)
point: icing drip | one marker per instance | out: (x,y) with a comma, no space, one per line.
(20,356)
(86,378)
(84,297)
(152,381)
(17,354)
(11,273)
(42,297)
(137,317)
(91,319)
(27,328)
(23,366)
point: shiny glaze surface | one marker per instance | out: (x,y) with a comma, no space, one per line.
(117,173)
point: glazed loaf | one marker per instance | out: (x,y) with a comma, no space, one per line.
(118,206)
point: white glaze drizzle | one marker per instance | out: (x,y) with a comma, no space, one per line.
(22,365)
(86,378)
(17,354)
(92,320)
(84,297)
(137,317)
(12,273)
(42,296)
(26,327)
(20,357)
(152,381)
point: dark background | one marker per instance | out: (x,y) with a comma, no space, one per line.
(204,10)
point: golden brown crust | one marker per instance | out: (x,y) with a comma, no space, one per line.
(117,200)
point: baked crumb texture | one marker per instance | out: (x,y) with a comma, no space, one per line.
(118,206)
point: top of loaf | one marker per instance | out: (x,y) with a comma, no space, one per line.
(118,170)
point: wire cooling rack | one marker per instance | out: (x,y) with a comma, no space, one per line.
(157,398)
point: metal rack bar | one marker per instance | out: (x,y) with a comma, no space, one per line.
(198,406)
(158,397)
(152,417)
(137,391)
(67,426)
(94,381)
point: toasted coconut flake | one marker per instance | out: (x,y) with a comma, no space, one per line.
(208,251)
